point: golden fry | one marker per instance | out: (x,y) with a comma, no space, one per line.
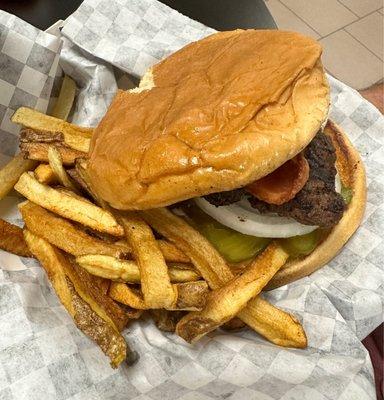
(191,296)
(76,137)
(126,295)
(224,304)
(86,285)
(44,174)
(68,206)
(64,235)
(155,282)
(56,164)
(215,271)
(65,100)
(73,240)
(166,320)
(87,319)
(39,151)
(11,173)
(128,270)
(12,239)
(276,325)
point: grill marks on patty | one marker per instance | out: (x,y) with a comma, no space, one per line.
(317,203)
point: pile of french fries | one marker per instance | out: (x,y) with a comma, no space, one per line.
(110,267)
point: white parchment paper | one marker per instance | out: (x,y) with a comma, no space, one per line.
(44,356)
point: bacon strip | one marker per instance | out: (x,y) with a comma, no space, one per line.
(283,184)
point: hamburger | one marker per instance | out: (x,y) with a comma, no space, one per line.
(232,132)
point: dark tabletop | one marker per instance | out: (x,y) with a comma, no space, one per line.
(218,14)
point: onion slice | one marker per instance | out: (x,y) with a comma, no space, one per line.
(241,219)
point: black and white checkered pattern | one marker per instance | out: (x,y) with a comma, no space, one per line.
(42,353)
(28,62)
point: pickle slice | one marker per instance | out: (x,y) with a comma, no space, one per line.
(233,246)
(346,194)
(301,245)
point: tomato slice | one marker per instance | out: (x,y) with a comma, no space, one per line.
(283,184)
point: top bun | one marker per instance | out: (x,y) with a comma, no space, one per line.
(214,116)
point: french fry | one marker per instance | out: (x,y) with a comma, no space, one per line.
(110,342)
(68,206)
(125,294)
(87,286)
(65,235)
(191,296)
(133,313)
(172,253)
(12,239)
(166,320)
(128,270)
(89,289)
(56,164)
(233,324)
(44,174)
(214,270)
(65,100)
(104,286)
(156,285)
(11,173)
(73,240)
(76,137)
(97,327)
(276,325)
(39,151)
(224,304)
(28,135)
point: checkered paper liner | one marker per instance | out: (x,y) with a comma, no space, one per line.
(44,356)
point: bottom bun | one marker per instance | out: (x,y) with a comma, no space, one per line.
(352,174)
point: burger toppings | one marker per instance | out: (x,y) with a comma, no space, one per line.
(317,203)
(282,184)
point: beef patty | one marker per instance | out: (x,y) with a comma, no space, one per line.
(317,203)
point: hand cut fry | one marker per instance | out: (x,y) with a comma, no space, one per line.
(64,235)
(56,164)
(156,285)
(70,238)
(92,322)
(191,296)
(12,171)
(86,285)
(111,342)
(127,295)
(44,174)
(104,286)
(66,98)
(39,151)
(76,137)
(28,135)
(223,304)
(214,270)
(67,206)
(276,325)
(166,320)
(234,324)
(128,270)
(12,239)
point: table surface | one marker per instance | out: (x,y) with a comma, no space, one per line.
(218,14)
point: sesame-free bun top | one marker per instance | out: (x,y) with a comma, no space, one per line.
(214,116)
